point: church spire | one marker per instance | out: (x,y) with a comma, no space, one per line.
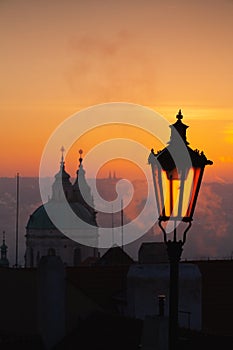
(80,171)
(81,189)
(80,179)
(62,156)
(62,181)
(80,157)
(4,261)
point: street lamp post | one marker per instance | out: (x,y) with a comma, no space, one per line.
(177,172)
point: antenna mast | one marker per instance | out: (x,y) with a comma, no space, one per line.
(17,221)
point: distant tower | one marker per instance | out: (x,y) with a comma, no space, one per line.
(62,177)
(43,236)
(4,261)
(81,189)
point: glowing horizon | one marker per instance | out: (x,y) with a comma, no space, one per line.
(57,60)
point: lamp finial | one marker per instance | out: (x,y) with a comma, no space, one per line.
(179,115)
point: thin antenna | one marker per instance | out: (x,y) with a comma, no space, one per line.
(122,223)
(17,221)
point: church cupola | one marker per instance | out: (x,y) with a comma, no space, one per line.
(4,261)
(62,182)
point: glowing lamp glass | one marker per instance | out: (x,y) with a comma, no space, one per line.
(176,192)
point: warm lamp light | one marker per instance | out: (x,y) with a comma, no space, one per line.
(177,172)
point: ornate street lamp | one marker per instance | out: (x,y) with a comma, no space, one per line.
(177,172)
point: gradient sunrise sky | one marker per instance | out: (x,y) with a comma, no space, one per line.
(58,57)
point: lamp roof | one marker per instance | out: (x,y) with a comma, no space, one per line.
(178,153)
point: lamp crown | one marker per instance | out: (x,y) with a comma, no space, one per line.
(178,129)
(179,115)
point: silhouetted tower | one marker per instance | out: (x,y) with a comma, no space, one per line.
(4,261)
(81,189)
(62,182)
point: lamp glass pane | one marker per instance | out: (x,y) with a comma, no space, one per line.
(159,193)
(178,192)
(197,173)
(188,191)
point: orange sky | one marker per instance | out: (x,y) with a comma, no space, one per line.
(58,57)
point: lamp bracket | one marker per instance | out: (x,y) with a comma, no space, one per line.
(164,232)
(184,234)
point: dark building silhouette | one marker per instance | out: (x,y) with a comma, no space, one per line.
(42,234)
(115,256)
(4,261)
(152,253)
(94,290)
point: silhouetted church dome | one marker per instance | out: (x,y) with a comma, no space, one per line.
(40,219)
(65,196)
(66,224)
